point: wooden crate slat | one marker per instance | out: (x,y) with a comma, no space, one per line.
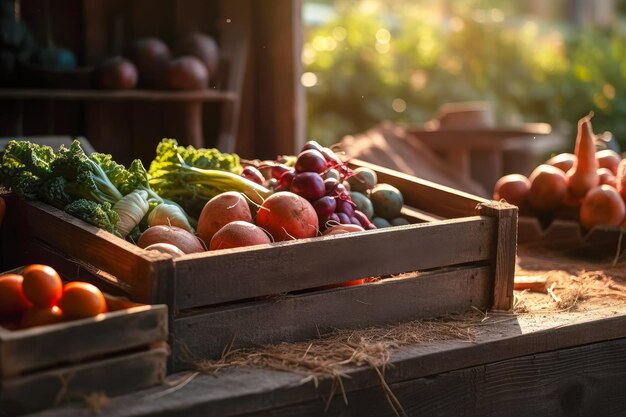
(505,248)
(143,270)
(74,341)
(212,278)
(301,317)
(425,195)
(111,376)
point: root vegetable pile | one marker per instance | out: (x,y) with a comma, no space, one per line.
(588,185)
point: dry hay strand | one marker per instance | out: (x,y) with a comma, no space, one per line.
(332,355)
(571,285)
(96,401)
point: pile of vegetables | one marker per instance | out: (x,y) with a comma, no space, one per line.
(311,194)
(92,187)
(588,185)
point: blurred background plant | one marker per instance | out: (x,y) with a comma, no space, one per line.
(372,60)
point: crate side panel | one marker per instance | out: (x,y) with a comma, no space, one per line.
(302,317)
(84,243)
(70,342)
(240,274)
(112,376)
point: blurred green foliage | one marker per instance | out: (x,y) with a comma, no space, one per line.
(401,60)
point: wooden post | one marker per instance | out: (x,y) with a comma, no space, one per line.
(505,243)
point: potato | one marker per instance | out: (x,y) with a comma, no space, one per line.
(387,201)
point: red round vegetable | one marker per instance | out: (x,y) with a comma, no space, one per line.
(310,160)
(308,185)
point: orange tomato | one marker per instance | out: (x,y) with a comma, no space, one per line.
(41,316)
(12,301)
(80,300)
(42,285)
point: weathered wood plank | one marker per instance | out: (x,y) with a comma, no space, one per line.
(110,376)
(303,316)
(505,248)
(425,195)
(236,392)
(309,263)
(586,380)
(79,340)
(142,270)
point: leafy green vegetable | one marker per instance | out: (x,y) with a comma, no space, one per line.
(53,192)
(25,166)
(86,178)
(100,215)
(93,188)
(191,177)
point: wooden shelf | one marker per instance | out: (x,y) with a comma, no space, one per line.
(128,95)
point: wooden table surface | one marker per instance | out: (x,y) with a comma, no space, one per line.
(567,363)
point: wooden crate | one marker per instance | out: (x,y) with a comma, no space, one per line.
(114,353)
(460,253)
(566,237)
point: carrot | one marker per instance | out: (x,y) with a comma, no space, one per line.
(583,176)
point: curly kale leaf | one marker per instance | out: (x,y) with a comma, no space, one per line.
(53,192)
(25,166)
(100,215)
(86,178)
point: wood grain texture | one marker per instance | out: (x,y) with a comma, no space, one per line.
(109,376)
(80,340)
(580,381)
(304,316)
(499,340)
(88,244)
(309,263)
(425,195)
(505,247)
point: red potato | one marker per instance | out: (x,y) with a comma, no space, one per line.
(548,188)
(562,161)
(238,234)
(608,158)
(221,210)
(182,239)
(512,188)
(606,177)
(602,206)
(287,216)
(620,179)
